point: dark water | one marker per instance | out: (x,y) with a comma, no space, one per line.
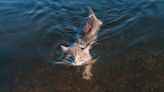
(130,43)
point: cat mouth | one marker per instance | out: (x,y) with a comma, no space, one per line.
(84,63)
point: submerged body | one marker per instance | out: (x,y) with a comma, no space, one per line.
(78,52)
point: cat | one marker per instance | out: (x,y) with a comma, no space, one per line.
(78,52)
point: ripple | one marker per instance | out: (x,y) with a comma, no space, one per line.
(32,31)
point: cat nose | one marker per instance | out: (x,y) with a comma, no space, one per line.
(75,62)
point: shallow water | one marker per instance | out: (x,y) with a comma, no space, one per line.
(130,45)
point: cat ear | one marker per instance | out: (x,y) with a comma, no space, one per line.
(64,48)
(86,50)
(90,11)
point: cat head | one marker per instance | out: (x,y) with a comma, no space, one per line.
(76,56)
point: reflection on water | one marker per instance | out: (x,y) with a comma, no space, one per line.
(130,45)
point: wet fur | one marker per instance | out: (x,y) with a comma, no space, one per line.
(80,47)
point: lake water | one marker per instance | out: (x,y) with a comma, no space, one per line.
(130,45)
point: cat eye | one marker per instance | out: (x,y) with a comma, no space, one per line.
(70,58)
(80,59)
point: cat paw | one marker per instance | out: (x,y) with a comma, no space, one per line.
(87,76)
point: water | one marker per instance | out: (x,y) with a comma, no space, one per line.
(130,45)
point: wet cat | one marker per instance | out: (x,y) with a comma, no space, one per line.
(78,52)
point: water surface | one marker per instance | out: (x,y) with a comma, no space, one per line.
(130,45)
